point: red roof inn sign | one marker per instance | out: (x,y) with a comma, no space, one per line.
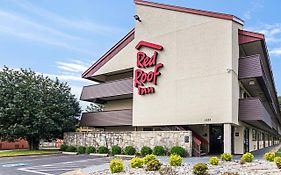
(143,62)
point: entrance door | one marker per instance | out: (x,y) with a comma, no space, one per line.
(246,140)
(216,139)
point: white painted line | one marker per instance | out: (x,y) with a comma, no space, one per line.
(31,171)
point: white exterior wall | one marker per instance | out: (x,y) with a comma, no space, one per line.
(194,86)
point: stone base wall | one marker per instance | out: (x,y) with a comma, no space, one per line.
(137,139)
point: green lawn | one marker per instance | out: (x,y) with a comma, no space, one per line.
(26,152)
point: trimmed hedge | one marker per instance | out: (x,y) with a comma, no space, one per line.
(102,150)
(115,149)
(178,150)
(145,150)
(90,149)
(159,151)
(129,150)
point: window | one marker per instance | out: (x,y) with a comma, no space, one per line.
(254,135)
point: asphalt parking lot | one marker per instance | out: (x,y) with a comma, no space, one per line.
(47,165)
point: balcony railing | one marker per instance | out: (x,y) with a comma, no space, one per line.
(112,90)
(107,118)
(251,110)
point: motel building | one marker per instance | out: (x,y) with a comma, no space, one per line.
(181,69)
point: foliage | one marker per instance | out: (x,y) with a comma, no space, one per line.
(200,169)
(159,151)
(136,162)
(102,150)
(145,150)
(90,149)
(214,161)
(167,170)
(115,149)
(175,160)
(226,157)
(116,166)
(277,161)
(71,149)
(269,156)
(13,153)
(94,107)
(247,157)
(153,165)
(148,158)
(35,107)
(81,149)
(178,150)
(129,150)
(63,147)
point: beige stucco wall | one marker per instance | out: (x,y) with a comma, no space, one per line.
(118,104)
(194,86)
(239,140)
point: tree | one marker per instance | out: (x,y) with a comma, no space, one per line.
(35,107)
(94,107)
(279,100)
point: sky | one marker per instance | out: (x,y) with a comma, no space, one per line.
(63,38)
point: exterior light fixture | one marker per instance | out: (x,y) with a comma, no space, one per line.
(137,18)
(252,82)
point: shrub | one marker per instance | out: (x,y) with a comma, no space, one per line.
(214,161)
(145,150)
(178,150)
(129,150)
(102,150)
(242,161)
(63,147)
(269,156)
(148,158)
(277,161)
(175,160)
(153,165)
(159,151)
(248,157)
(115,149)
(90,149)
(226,157)
(71,149)
(81,149)
(116,166)
(200,169)
(136,162)
(167,170)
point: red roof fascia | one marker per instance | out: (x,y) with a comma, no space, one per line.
(192,11)
(109,54)
(247,36)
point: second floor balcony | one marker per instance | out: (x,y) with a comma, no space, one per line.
(112,90)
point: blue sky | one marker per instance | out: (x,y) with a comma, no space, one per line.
(62,38)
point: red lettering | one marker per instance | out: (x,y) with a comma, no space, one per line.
(144,61)
(143,91)
(156,72)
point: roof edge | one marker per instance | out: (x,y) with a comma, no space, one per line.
(192,11)
(109,54)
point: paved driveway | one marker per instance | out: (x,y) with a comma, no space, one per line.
(47,165)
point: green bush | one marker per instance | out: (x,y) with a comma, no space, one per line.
(148,158)
(136,162)
(159,151)
(129,150)
(153,165)
(71,149)
(269,156)
(115,149)
(102,150)
(145,150)
(175,160)
(200,169)
(214,161)
(63,147)
(178,150)
(116,166)
(167,170)
(226,157)
(277,161)
(248,157)
(81,149)
(90,149)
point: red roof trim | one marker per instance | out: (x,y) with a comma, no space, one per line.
(247,36)
(192,11)
(109,54)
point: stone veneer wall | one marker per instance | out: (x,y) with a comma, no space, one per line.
(136,139)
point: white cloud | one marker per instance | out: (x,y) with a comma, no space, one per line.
(272,32)
(276,51)
(74,66)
